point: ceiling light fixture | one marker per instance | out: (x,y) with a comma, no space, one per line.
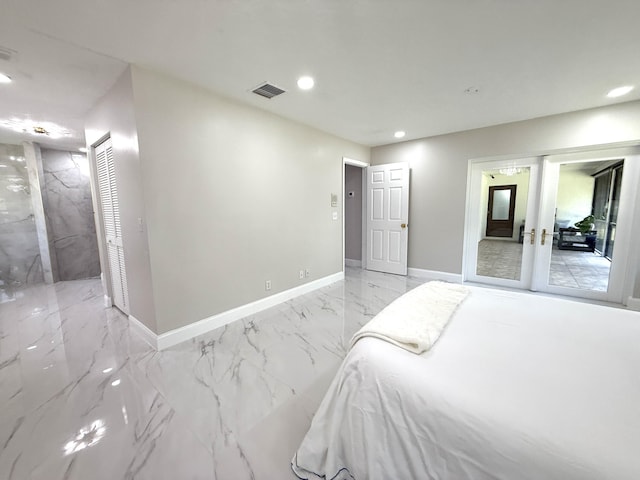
(305,83)
(620,91)
(5,78)
(27,126)
(399,134)
(509,171)
(83,149)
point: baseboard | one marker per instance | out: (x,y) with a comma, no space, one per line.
(435,275)
(633,303)
(179,335)
(348,262)
(144,331)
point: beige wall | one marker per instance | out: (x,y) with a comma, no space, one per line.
(114,116)
(353,212)
(575,195)
(234,196)
(439,170)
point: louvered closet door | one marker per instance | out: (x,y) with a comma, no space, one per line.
(112,228)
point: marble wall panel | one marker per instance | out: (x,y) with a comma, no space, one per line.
(69,211)
(19,250)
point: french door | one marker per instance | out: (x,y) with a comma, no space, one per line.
(573,218)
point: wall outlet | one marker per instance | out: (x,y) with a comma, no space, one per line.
(267,285)
(301,274)
(307,272)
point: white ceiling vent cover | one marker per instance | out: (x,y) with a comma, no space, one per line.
(267,90)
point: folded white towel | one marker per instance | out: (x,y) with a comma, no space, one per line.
(415,320)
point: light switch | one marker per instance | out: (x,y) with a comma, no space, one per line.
(334,200)
(335,215)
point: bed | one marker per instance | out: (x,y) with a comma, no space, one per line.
(518,386)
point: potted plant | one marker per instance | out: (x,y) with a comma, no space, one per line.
(585,226)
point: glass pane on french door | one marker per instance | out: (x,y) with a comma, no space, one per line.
(585,224)
(503,198)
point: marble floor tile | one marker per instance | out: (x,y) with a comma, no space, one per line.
(83,396)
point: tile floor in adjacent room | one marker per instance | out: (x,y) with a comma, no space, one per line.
(569,268)
(83,397)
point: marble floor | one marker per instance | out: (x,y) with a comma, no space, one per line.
(83,397)
(569,268)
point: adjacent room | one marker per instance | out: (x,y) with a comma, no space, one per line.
(400,241)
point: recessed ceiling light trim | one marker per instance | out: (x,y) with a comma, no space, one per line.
(306,83)
(620,91)
(4,78)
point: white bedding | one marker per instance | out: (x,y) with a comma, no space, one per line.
(517,387)
(416,319)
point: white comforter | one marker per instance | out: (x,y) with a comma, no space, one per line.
(517,387)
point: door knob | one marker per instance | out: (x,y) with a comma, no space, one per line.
(533,235)
(544,234)
(403,225)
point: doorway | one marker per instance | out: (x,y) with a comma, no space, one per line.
(572,220)
(353,207)
(500,211)
(353,212)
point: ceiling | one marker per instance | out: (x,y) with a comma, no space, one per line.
(379,65)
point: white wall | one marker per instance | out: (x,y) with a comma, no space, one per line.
(114,115)
(439,170)
(353,212)
(234,196)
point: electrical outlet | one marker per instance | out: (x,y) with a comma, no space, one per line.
(307,272)
(267,285)
(301,274)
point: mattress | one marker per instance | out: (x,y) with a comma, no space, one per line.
(519,386)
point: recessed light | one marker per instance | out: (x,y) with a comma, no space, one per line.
(399,134)
(620,91)
(82,149)
(115,383)
(305,83)
(5,78)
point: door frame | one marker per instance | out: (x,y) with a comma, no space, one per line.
(363,227)
(632,274)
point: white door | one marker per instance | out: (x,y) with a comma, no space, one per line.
(111,221)
(547,251)
(387,217)
(504,260)
(600,186)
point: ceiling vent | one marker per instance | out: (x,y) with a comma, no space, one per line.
(267,90)
(6,53)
